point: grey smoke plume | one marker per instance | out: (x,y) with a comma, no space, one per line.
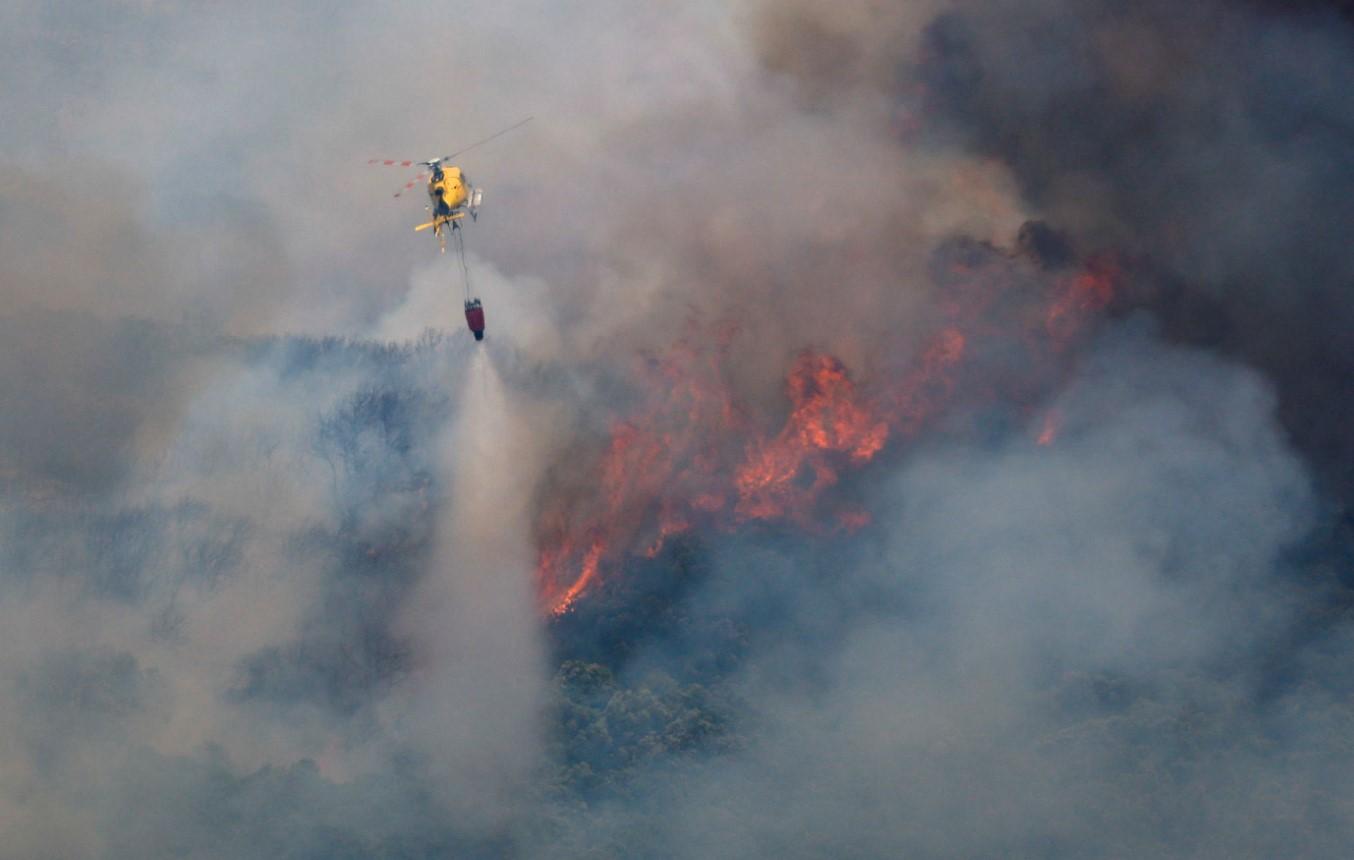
(1051,651)
(268,594)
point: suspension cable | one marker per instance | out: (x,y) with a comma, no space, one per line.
(465,268)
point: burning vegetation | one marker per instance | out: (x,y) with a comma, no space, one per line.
(693,454)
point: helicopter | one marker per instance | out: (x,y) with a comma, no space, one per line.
(451,195)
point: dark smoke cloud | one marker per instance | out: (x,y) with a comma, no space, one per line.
(1211,143)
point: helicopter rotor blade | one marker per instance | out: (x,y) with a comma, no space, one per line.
(515,125)
(391,162)
(411,183)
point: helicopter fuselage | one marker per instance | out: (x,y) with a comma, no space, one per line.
(448,191)
(450,198)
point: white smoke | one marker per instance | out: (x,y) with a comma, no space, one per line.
(474,706)
(1045,627)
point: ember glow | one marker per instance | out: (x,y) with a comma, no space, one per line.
(1084,294)
(1049,431)
(692,456)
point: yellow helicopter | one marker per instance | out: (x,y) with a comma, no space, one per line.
(451,196)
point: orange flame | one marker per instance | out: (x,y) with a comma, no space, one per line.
(1081,296)
(585,578)
(826,417)
(1053,421)
(854,521)
(688,456)
(670,464)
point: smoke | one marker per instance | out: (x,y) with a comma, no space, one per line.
(1041,650)
(1106,646)
(1209,144)
(269,519)
(476,701)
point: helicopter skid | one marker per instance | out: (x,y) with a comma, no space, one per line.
(438,223)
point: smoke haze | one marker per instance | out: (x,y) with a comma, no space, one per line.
(271,522)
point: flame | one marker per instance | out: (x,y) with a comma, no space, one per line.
(1053,421)
(670,522)
(586,575)
(783,476)
(930,383)
(667,464)
(854,521)
(689,456)
(1081,296)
